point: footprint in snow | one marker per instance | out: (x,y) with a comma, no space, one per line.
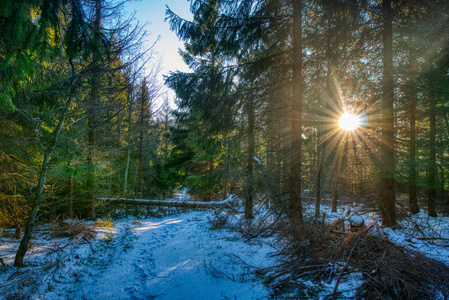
(138,268)
(132,291)
(152,264)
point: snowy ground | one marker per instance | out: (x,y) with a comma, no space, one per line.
(177,257)
(174,257)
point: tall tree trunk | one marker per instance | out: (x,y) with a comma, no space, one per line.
(226,167)
(442,179)
(166,125)
(331,105)
(38,195)
(92,119)
(71,195)
(319,177)
(128,154)
(413,199)
(340,157)
(251,153)
(144,118)
(335,189)
(387,201)
(210,178)
(328,104)
(432,167)
(91,161)
(295,205)
(440,159)
(141,142)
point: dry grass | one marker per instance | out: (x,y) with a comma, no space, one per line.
(106,224)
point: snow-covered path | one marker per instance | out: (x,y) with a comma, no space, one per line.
(177,257)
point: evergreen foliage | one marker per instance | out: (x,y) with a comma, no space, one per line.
(256,116)
(244,53)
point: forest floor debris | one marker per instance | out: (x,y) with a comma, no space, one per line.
(318,260)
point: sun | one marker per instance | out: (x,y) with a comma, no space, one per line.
(349,121)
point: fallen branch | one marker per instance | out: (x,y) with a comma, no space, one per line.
(432,238)
(346,264)
(11,283)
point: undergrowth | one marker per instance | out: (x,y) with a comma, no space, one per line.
(319,254)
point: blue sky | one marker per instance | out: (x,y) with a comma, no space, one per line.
(153,12)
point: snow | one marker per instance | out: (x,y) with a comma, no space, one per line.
(176,257)
(356,220)
(179,256)
(428,235)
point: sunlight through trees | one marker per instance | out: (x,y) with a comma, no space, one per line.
(289,104)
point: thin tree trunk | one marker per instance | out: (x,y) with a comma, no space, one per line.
(71,195)
(442,181)
(210,178)
(387,202)
(440,159)
(23,247)
(226,166)
(320,150)
(251,153)
(335,190)
(167,129)
(413,199)
(92,119)
(340,156)
(432,181)
(295,205)
(331,104)
(141,138)
(330,98)
(128,155)
(90,161)
(140,174)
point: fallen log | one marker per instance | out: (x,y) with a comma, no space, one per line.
(173,203)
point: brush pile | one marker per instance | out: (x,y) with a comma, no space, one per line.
(315,252)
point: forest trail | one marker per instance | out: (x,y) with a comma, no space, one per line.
(177,257)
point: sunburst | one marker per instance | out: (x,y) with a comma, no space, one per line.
(349,121)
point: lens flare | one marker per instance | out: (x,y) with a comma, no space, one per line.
(349,121)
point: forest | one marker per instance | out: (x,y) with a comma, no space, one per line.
(301,109)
